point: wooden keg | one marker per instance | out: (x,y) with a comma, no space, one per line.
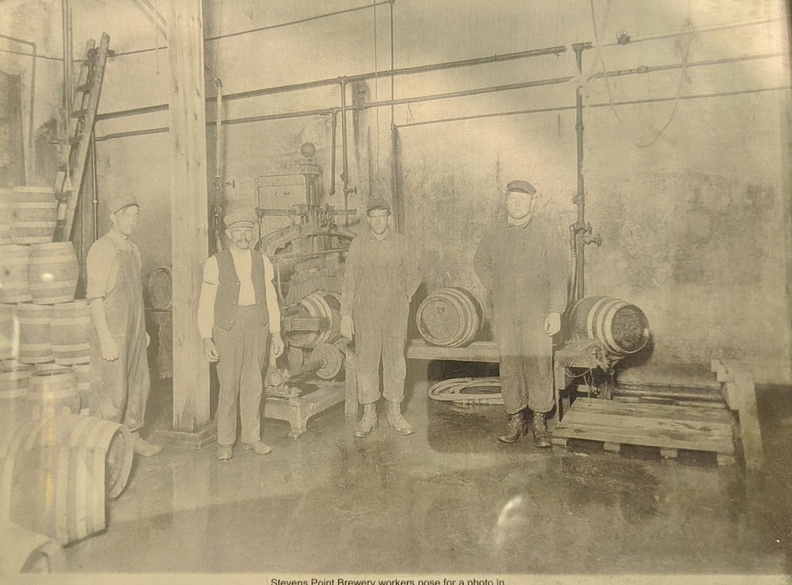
(34,216)
(9,332)
(160,288)
(621,327)
(52,273)
(450,317)
(34,333)
(26,551)
(6,211)
(109,441)
(57,490)
(53,392)
(70,330)
(14,274)
(83,374)
(325,308)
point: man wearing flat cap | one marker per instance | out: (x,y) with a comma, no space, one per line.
(238,316)
(120,380)
(380,277)
(522,260)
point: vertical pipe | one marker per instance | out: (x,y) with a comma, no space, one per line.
(68,62)
(219,146)
(344,157)
(334,115)
(95,188)
(580,198)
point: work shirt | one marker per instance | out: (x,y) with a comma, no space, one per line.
(247,296)
(378,273)
(102,264)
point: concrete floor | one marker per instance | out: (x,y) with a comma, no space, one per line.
(449,499)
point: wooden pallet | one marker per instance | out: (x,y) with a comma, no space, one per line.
(671,428)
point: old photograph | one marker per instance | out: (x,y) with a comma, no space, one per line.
(396,292)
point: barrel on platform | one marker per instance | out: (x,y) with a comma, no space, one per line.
(70,329)
(34,333)
(14,274)
(53,272)
(450,317)
(34,216)
(621,327)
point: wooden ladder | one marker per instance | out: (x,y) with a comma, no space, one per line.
(85,104)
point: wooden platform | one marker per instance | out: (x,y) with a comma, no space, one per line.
(670,428)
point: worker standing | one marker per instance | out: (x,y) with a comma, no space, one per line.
(238,315)
(380,277)
(120,382)
(521,259)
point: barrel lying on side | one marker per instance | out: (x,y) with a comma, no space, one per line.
(450,317)
(621,327)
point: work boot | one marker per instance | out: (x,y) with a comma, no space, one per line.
(515,428)
(258,447)
(224,452)
(396,420)
(369,421)
(144,448)
(541,435)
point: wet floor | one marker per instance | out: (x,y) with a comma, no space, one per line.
(449,499)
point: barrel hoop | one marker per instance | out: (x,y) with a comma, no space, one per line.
(70,347)
(34,320)
(16,259)
(50,259)
(590,317)
(71,320)
(99,502)
(62,497)
(53,284)
(17,393)
(49,395)
(607,326)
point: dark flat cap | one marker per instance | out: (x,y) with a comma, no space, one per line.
(240,219)
(378,203)
(521,187)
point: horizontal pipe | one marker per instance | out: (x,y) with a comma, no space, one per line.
(478,116)
(602,105)
(648,69)
(363,76)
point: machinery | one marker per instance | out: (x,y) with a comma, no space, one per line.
(308,257)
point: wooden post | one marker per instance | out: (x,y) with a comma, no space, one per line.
(189,222)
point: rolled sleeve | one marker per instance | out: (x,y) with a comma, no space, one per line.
(206,301)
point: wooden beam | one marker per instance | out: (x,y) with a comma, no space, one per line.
(189,216)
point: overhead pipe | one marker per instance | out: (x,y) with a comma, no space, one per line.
(354,78)
(344,152)
(34,55)
(333,134)
(68,88)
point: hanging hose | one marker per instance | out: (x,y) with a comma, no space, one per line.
(467,390)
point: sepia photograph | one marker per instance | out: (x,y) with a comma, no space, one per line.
(395,292)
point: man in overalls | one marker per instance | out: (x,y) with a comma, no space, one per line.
(380,277)
(522,260)
(238,314)
(120,380)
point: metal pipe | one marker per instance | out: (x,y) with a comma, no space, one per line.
(361,77)
(95,188)
(580,197)
(218,180)
(68,62)
(333,132)
(32,83)
(344,154)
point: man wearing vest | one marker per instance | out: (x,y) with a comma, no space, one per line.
(237,312)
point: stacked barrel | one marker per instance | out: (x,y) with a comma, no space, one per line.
(44,332)
(58,466)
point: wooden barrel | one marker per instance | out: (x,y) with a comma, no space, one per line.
(83,374)
(621,327)
(14,407)
(9,332)
(109,440)
(14,274)
(53,393)
(34,333)
(6,210)
(52,273)
(450,317)
(70,330)
(34,216)
(160,288)
(26,551)
(326,308)
(58,491)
